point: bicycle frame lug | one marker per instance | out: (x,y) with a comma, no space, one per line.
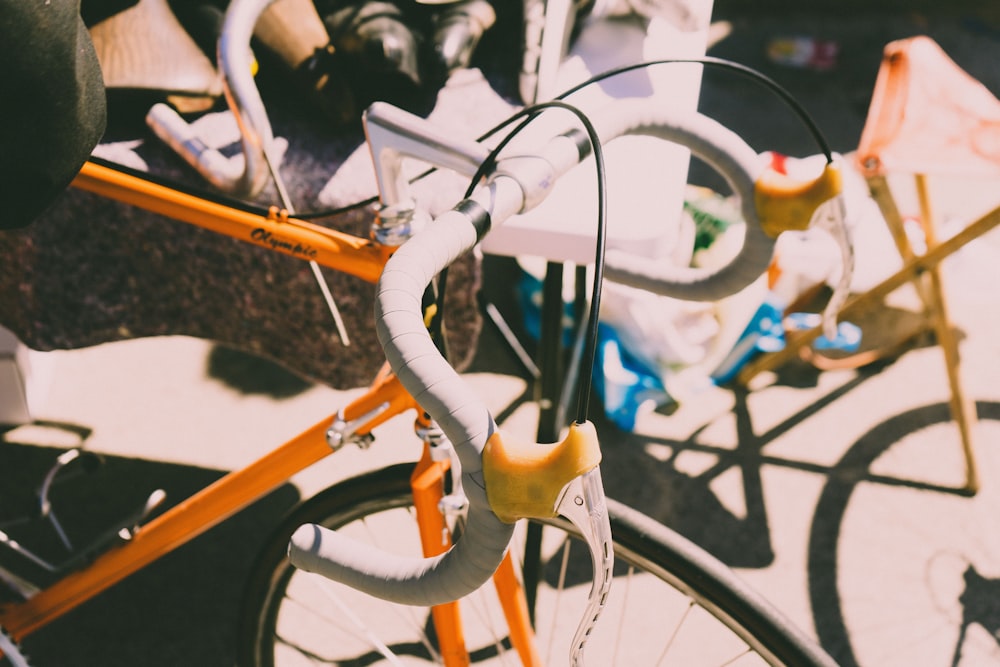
(394,224)
(343,432)
(454,504)
(432,434)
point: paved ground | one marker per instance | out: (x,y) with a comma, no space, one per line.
(831,493)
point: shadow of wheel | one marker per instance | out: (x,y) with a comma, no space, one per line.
(904,565)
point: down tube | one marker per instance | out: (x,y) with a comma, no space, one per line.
(173,528)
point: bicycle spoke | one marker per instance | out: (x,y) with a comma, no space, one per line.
(927,552)
(490,618)
(673,636)
(560,587)
(365,631)
(712,628)
(624,598)
(408,615)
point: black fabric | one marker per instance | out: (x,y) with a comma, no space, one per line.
(95,11)
(54,108)
(90,270)
(202,19)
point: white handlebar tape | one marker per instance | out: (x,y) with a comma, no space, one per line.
(728,154)
(467,423)
(445,396)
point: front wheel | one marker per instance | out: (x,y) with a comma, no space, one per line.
(671,603)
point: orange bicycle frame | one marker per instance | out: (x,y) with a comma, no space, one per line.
(385,398)
(215,503)
(202,511)
(276,231)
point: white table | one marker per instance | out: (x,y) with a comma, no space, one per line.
(646,179)
(645,176)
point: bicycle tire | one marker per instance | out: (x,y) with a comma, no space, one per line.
(746,625)
(903,565)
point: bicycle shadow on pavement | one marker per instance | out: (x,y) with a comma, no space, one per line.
(179,610)
(252,374)
(687,502)
(858,467)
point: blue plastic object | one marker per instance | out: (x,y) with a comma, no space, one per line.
(623,383)
(766,333)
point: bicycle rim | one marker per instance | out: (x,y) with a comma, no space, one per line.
(904,568)
(671,603)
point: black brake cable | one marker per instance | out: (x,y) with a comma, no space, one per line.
(529,113)
(733,66)
(722,63)
(588,358)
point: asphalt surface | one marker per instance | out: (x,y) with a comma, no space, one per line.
(834,494)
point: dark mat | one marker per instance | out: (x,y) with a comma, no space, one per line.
(91,271)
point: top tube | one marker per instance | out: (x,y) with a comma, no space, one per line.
(275,231)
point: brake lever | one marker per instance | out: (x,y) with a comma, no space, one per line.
(831,217)
(526,480)
(583,504)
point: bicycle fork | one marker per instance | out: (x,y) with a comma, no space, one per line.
(439,504)
(438,515)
